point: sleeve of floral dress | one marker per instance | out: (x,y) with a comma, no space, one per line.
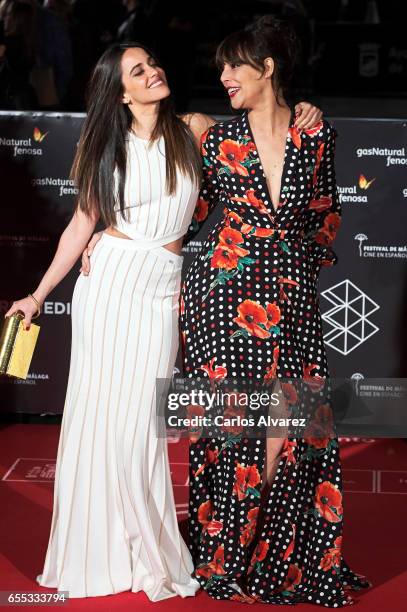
(209,193)
(323,216)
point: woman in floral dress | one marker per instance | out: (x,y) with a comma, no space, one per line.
(249,308)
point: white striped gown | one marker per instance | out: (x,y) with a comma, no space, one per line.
(114,525)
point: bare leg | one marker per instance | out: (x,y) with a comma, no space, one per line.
(274,444)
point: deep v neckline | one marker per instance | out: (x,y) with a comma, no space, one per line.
(274,211)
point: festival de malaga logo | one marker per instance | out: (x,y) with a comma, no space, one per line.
(383,251)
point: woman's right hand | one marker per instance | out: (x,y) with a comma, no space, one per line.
(27,306)
(85,267)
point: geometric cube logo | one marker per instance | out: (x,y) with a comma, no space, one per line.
(348,317)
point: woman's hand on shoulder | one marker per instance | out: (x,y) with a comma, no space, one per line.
(198,124)
(306,115)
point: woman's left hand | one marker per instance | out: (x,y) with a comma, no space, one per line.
(306,115)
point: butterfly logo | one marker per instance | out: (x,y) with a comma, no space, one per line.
(38,136)
(364,183)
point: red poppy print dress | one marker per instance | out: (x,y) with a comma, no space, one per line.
(249,308)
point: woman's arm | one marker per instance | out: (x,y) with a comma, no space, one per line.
(198,124)
(323,216)
(306,116)
(208,195)
(71,244)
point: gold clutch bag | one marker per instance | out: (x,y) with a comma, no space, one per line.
(17,346)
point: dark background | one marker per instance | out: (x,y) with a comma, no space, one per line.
(354,52)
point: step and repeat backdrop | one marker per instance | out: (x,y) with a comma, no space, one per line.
(363,298)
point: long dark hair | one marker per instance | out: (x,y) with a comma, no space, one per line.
(102,144)
(267,36)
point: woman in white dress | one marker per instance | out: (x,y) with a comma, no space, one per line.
(138,169)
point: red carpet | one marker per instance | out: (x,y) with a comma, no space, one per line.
(375,542)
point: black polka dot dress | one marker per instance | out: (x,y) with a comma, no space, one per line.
(249,308)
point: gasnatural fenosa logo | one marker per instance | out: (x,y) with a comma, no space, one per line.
(25,147)
(364,183)
(356,193)
(38,136)
(65,186)
(394,157)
